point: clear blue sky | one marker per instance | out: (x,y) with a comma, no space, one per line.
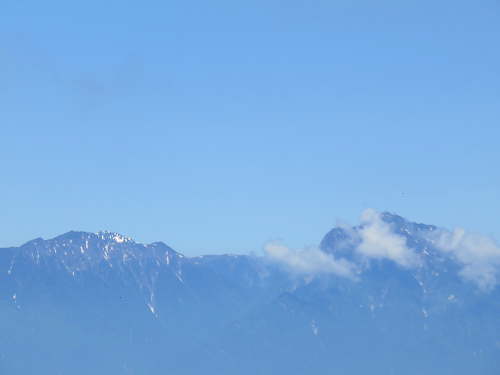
(214,126)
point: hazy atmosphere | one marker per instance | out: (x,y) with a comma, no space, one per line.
(216,126)
(249,187)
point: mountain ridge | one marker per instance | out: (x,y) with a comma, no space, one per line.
(155,310)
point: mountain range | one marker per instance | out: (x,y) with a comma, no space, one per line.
(396,300)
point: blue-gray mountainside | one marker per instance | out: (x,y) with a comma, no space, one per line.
(101,303)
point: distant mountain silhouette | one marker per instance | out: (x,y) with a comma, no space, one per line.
(102,303)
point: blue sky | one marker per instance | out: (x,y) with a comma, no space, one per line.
(214,126)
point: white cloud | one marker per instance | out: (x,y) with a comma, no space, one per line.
(479,255)
(307,261)
(373,240)
(378,241)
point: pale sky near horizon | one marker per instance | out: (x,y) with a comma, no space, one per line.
(215,126)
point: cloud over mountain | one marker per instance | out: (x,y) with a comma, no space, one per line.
(390,237)
(478,254)
(377,240)
(373,239)
(307,261)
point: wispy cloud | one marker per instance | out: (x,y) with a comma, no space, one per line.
(478,254)
(374,239)
(307,261)
(377,240)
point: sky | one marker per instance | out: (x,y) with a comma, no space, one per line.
(216,126)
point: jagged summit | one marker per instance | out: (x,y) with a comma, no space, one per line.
(79,252)
(103,235)
(401,223)
(341,242)
(103,240)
